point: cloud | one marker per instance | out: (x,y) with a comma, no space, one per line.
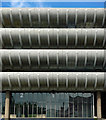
(40,3)
(17,3)
(24,3)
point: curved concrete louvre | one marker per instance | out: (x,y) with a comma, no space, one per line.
(51,81)
(53,17)
(52,38)
(54,60)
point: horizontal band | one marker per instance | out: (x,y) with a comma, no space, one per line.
(61,81)
(55,60)
(53,17)
(52,38)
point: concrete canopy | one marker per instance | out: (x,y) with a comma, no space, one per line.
(52,38)
(53,17)
(53,60)
(52,81)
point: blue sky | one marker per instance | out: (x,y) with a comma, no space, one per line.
(54,3)
(53,0)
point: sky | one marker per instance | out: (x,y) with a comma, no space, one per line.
(54,3)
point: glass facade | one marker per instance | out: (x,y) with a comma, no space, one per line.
(3,103)
(44,105)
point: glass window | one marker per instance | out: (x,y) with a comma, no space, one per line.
(3,102)
(44,105)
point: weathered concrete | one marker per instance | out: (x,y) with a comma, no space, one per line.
(99,112)
(7,105)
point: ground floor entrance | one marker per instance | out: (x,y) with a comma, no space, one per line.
(51,105)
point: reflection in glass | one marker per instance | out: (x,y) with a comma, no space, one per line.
(3,103)
(44,105)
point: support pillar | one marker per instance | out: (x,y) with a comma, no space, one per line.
(99,112)
(7,105)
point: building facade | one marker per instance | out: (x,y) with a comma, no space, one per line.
(53,63)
